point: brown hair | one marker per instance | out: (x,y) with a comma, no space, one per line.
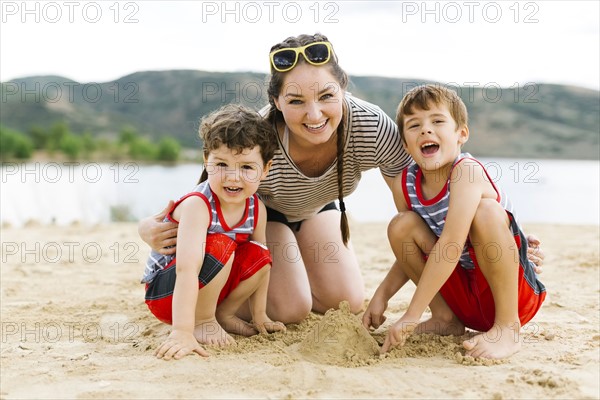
(238,128)
(423,97)
(274,90)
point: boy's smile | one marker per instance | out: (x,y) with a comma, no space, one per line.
(429,148)
(432,137)
(234,176)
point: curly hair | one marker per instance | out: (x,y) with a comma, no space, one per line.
(239,128)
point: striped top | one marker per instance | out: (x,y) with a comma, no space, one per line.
(240,232)
(434,211)
(372,141)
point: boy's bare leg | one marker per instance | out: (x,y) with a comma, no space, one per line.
(226,311)
(207,329)
(411,238)
(498,258)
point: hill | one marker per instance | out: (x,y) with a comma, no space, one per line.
(531,121)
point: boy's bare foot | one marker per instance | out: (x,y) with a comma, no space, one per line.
(211,333)
(233,324)
(498,342)
(441,326)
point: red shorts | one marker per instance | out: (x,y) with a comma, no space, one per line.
(249,258)
(469,296)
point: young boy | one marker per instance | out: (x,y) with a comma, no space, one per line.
(455,236)
(221,260)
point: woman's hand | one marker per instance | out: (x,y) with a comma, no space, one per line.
(158,234)
(535,253)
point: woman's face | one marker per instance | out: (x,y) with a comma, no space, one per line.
(311,103)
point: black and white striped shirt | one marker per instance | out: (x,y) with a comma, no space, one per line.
(372,141)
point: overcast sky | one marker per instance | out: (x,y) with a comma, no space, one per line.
(464,42)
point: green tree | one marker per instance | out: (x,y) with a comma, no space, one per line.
(7,143)
(127,135)
(142,149)
(168,149)
(58,131)
(14,144)
(38,136)
(71,145)
(88,143)
(23,147)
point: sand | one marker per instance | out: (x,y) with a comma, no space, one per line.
(74,325)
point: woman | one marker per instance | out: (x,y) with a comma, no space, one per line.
(326,139)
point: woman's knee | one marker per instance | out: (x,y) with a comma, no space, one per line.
(289,312)
(353,296)
(356,299)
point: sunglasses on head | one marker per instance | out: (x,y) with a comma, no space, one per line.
(285,59)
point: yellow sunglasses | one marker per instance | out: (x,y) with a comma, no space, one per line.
(317,53)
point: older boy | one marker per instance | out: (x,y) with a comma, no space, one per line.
(455,236)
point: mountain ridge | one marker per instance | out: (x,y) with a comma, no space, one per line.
(531,121)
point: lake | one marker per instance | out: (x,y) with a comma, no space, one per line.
(543,191)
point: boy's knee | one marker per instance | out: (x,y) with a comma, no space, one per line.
(489,212)
(490,220)
(402,224)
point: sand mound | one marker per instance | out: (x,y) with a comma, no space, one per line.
(340,339)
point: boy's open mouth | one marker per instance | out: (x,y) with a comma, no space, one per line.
(429,148)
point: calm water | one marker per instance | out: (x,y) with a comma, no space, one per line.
(548,191)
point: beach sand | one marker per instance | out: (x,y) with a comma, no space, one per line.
(74,325)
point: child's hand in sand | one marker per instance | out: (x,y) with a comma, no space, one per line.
(398,333)
(178,345)
(264,324)
(373,316)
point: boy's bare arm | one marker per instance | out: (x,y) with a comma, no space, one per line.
(260,232)
(391,284)
(258,300)
(468,188)
(465,197)
(258,307)
(193,216)
(395,278)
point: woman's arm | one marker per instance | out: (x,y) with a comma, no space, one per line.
(158,234)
